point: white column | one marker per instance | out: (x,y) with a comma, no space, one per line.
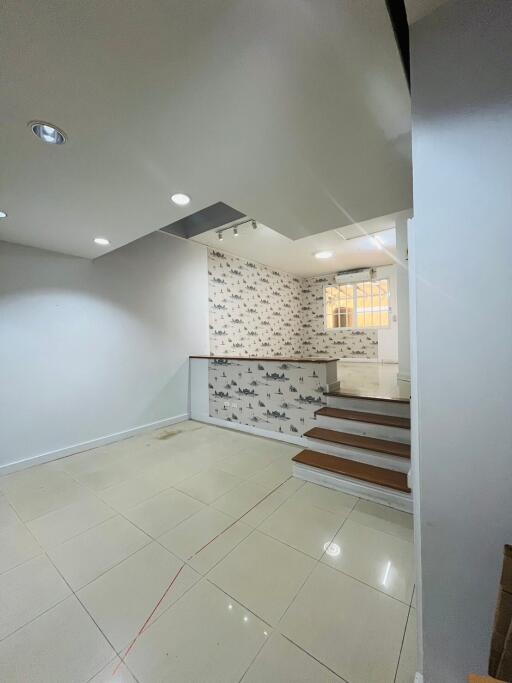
(402,292)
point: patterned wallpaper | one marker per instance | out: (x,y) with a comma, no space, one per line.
(281,397)
(255,310)
(316,341)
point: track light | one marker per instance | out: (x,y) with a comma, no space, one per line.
(219,235)
(235,232)
(254,225)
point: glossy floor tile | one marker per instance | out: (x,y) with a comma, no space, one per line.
(327,499)
(62,524)
(282,661)
(7,515)
(28,591)
(209,485)
(273,501)
(263,574)
(407,664)
(121,599)
(84,557)
(383,518)
(241,499)
(61,646)
(193,534)
(353,629)
(373,379)
(205,637)
(18,545)
(131,492)
(304,527)
(162,512)
(114,672)
(208,528)
(380,560)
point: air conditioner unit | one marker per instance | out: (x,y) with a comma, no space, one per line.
(355,275)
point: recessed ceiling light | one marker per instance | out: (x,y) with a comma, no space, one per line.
(48,133)
(3,214)
(323,254)
(181,199)
(101,240)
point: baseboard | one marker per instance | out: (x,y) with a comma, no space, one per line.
(376,494)
(350,359)
(88,445)
(249,429)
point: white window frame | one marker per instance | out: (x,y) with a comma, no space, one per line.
(355,327)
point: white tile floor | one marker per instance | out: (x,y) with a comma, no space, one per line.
(311,585)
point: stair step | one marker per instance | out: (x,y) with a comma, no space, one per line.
(402,450)
(373,418)
(364,397)
(353,469)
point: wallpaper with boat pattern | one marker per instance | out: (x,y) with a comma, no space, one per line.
(257,311)
(280,397)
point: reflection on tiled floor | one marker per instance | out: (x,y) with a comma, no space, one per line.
(275,581)
(372,379)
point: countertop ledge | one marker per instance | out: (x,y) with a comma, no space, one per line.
(273,359)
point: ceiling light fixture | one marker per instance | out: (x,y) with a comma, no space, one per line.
(219,235)
(180,199)
(103,241)
(235,232)
(48,133)
(323,254)
(3,214)
(254,225)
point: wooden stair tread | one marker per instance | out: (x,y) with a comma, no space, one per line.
(369,443)
(348,394)
(373,418)
(355,470)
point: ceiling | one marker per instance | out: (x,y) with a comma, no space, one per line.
(417,9)
(295,112)
(270,248)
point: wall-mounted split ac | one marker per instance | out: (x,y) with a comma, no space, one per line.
(355,275)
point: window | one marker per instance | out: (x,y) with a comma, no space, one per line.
(359,305)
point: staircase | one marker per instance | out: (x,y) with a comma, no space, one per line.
(361,446)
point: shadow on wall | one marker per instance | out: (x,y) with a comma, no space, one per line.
(93,348)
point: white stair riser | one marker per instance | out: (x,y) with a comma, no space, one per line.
(369,406)
(364,428)
(355,487)
(387,462)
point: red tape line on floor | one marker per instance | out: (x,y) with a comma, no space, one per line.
(146,623)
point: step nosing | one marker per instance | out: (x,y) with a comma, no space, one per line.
(363,397)
(367,418)
(353,469)
(365,443)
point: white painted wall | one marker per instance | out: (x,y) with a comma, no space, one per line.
(462,377)
(93,348)
(402,296)
(387,348)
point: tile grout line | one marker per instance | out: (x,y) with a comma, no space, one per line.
(343,680)
(146,623)
(402,643)
(317,562)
